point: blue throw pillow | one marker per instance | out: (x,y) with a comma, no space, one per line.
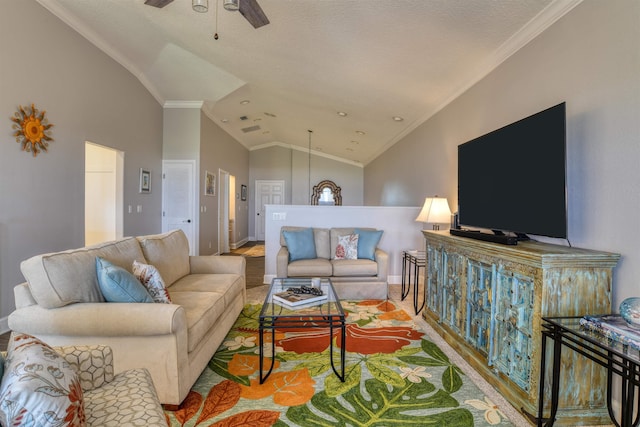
(118,285)
(301,244)
(367,243)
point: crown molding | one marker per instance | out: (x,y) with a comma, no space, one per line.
(183,104)
(72,21)
(532,29)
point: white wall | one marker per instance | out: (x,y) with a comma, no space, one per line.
(401,232)
(591,59)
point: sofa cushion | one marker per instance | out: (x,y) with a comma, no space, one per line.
(62,278)
(318,267)
(150,278)
(347,247)
(169,253)
(204,297)
(321,236)
(301,244)
(39,386)
(368,242)
(118,285)
(354,267)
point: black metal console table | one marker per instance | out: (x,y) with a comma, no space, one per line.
(412,262)
(616,357)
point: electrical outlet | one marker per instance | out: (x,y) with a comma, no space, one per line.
(279,216)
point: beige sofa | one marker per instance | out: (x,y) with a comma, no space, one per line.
(61,303)
(352,278)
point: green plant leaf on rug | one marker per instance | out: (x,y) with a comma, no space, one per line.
(384,405)
(451,380)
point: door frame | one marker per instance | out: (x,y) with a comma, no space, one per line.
(223,211)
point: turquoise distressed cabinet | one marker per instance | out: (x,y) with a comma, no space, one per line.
(486,300)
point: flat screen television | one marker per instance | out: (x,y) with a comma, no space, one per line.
(514,178)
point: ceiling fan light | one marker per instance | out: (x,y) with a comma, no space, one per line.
(232,5)
(200,6)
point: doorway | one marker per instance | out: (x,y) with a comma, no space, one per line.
(268,192)
(103,188)
(226,220)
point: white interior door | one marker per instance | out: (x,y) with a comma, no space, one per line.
(268,192)
(179,191)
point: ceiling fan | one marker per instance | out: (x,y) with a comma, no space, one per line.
(250,9)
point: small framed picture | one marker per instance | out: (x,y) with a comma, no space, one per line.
(243,192)
(209,184)
(145,181)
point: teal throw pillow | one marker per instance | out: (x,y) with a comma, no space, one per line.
(118,285)
(367,243)
(301,244)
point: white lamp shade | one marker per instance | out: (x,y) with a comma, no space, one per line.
(435,210)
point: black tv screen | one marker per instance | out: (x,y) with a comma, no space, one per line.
(514,179)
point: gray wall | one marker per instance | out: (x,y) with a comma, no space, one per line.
(218,150)
(591,59)
(87,96)
(279,162)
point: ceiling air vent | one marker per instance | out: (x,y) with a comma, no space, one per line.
(251,129)
(243,117)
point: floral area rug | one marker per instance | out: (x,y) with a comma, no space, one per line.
(394,377)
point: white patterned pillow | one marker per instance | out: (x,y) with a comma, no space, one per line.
(150,277)
(347,247)
(39,387)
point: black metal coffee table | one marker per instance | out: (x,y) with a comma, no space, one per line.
(327,313)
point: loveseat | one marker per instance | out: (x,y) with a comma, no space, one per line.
(126,399)
(62,303)
(324,252)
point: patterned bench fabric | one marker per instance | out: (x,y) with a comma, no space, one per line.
(94,364)
(128,400)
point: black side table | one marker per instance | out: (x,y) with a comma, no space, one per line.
(412,262)
(618,358)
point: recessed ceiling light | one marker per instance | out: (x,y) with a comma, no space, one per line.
(359,132)
(270,114)
(224,120)
(342,114)
(397,118)
(244,102)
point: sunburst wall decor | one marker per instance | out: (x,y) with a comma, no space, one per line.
(32,129)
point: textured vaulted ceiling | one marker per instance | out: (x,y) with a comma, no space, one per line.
(373,59)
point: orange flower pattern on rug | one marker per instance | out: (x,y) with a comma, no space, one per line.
(408,379)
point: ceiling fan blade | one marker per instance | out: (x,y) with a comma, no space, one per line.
(157,3)
(252,11)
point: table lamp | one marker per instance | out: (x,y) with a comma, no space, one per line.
(436,211)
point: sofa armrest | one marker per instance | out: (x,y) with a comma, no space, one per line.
(282,262)
(382,259)
(101,319)
(94,363)
(212,264)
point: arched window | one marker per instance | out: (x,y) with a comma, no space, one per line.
(326,193)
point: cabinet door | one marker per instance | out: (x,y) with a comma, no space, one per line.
(511,350)
(452,297)
(480,277)
(434,279)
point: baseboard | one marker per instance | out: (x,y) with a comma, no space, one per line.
(239,244)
